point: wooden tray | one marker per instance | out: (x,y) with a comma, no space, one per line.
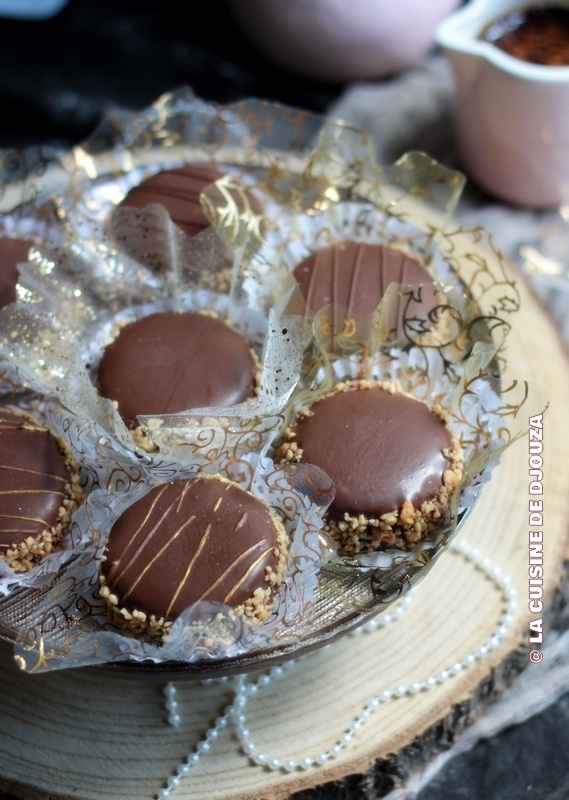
(82,734)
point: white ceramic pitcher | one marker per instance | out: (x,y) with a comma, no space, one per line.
(511,116)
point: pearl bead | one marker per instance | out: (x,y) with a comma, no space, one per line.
(243,691)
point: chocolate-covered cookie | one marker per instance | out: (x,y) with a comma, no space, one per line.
(138,221)
(393,460)
(201,539)
(356,276)
(39,490)
(13,251)
(178,190)
(170,362)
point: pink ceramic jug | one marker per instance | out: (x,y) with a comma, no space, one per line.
(342,40)
(511,116)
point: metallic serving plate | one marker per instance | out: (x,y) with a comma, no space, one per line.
(347,597)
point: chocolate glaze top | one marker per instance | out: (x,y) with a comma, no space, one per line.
(13,251)
(169,362)
(199,539)
(33,477)
(355,275)
(178,190)
(378,448)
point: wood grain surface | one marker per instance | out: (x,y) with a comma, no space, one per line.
(83,734)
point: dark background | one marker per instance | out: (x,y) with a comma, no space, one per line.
(58,77)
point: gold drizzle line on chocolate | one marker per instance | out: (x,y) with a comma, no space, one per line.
(136,533)
(355,275)
(242,521)
(19,531)
(234,565)
(248,572)
(13,517)
(201,544)
(159,553)
(28,471)
(314,279)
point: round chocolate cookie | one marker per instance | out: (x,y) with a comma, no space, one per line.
(201,539)
(13,251)
(170,362)
(139,226)
(392,459)
(39,490)
(356,276)
(178,190)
